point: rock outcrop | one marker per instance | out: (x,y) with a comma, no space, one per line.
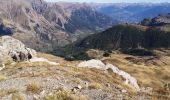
(92,64)
(13,50)
(129,79)
(100,65)
(157,21)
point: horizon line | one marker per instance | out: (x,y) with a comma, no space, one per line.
(109,2)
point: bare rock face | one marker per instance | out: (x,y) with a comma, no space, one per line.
(92,64)
(100,65)
(129,79)
(13,50)
(157,21)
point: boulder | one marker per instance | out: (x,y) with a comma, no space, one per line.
(129,79)
(92,64)
(14,50)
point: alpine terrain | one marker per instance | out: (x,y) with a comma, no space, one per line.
(84,51)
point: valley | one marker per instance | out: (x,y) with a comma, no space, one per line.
(83,51)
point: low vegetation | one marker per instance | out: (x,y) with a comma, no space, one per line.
(33,87)
(64,95)
(8,92)
(2,78)
(95,86)
(17,96)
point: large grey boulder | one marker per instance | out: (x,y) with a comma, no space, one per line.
(14,50)
(92,64)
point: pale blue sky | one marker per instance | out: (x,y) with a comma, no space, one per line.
(113,1)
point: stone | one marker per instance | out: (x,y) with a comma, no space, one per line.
(128,78)
(14,50)
(76,88)
(124,91)
(108,85)
(167,86)
(146,89)
(92,64)
(2,66)
(79,87)
(86,84)
(35,97)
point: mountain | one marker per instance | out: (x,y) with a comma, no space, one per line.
(115,64)
(74,17)
(162,22)
(45,26)
(133,12)
(127,37)
(150,34)
(136,39)
(25,24)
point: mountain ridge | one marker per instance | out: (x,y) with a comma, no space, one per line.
(134,12)
(48,24)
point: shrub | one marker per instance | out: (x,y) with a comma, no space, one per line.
(17,96)
(2,78)
(63,95)
(94,86)
(33,87)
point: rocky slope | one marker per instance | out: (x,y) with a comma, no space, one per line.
(135,39)
(49,25)
(127,37)
(74,17)
(31,28)
(69,80)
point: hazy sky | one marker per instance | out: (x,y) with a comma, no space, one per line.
(113,1)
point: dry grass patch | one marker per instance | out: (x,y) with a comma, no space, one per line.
(32,64)
(97,76)
(7,92)
(33,87)
(95,86)
(2,78)
(75,81)
(50,57)
(64,95)
(22,65)
(160,94)
(148,75)
(57,59)
(17,96)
